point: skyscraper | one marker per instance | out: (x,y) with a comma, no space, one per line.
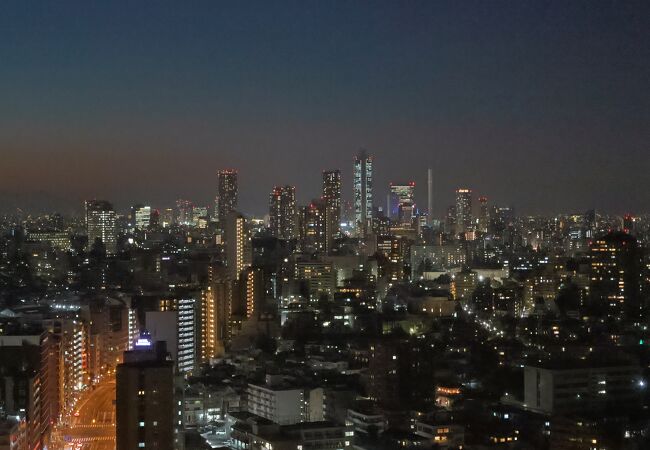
(100,225)
(450,220)
(199,214)
(362,192)
(167,217)
(312,233)
(239,251)
(402,202)
(216,310)
(227,193)
(282,212)
(141,217)
(628,223)
(145,398)
(332,198)
(251,293)
(483,215)
(184,212)
(463,210)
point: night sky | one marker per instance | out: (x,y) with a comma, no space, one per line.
(540,105)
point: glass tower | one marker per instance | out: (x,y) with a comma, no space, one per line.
(362,192)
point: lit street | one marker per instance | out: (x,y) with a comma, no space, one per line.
(325,225)
(93,424)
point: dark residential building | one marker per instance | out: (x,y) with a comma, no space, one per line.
(29,368)
(615,272)
(332,198)
(561,387)
(399,373)
(145,398)
(257,433)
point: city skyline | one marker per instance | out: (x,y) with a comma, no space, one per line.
(553,95)
(441,201)
(346,225)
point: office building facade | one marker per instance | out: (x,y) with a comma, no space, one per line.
(100,225)
(402,203)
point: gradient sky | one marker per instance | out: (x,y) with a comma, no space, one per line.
(541,105)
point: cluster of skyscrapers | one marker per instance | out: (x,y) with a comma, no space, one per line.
(324,326)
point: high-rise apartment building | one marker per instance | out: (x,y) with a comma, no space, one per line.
(362,192)
(313,227)
(145,398)
(227,194)
(332,198)
(615,272)
(100,225)
(251,293)
(72,335)
(109,330)
(463,210)
(187,329)
(176,323)
(239,251)
(282,212)
(216,310)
